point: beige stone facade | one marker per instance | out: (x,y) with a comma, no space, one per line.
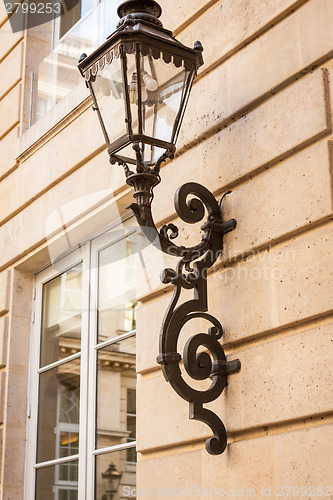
(259,123)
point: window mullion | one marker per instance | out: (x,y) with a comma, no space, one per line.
(91,413)
(84,403)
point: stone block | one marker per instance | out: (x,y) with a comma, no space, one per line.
(316,31)
(181,12)
(269,207)
(3,340)
(11,68)
(303,447)
(172,473)
(276,384)
(2,395)
(260,67)
(7,152)
(8,39)
(278,380)
(304,285)
(13,467)
(272,461)
(17,387)
(10,109)
(22,295)
(1,443)
(4,292)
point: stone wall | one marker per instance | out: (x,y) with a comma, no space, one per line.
(259,123)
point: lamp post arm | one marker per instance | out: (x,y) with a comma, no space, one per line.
(190,211)
(191,273)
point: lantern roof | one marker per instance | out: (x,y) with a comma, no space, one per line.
(140,26)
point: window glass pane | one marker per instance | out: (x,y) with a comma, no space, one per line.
(72,15)
(62,312)
(116,375)
(59,412)
(58,482)
(117,289)
(115,477)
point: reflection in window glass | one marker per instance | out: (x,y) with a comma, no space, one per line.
(117,289)
(131,423)
(116,375)
(59,482)
(62,313)
(73,15)
(115,478)
(58,418)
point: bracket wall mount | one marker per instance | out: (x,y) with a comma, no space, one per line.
(190,274)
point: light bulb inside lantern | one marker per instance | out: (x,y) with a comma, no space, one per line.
(133,90)
(150,82)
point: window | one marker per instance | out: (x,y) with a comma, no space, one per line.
(81,430)
(73,15)
(54,73)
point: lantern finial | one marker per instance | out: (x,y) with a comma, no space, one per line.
(147,10)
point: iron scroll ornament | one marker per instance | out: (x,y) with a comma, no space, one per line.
(191,273)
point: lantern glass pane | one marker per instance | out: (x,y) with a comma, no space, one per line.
(162,91)
(163,103)
(109,92)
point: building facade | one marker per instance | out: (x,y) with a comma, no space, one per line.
(85,410)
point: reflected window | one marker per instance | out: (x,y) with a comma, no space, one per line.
(61,326)
(72,15)
(131,423)
(117,289)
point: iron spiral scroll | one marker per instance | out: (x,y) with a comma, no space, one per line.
(190,274)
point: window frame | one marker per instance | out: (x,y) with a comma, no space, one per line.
(88,255)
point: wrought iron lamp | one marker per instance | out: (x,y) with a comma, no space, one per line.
(111,478)
(140,81)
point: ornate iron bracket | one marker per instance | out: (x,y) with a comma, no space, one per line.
(191,273)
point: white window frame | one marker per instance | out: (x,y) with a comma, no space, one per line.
(88,255)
